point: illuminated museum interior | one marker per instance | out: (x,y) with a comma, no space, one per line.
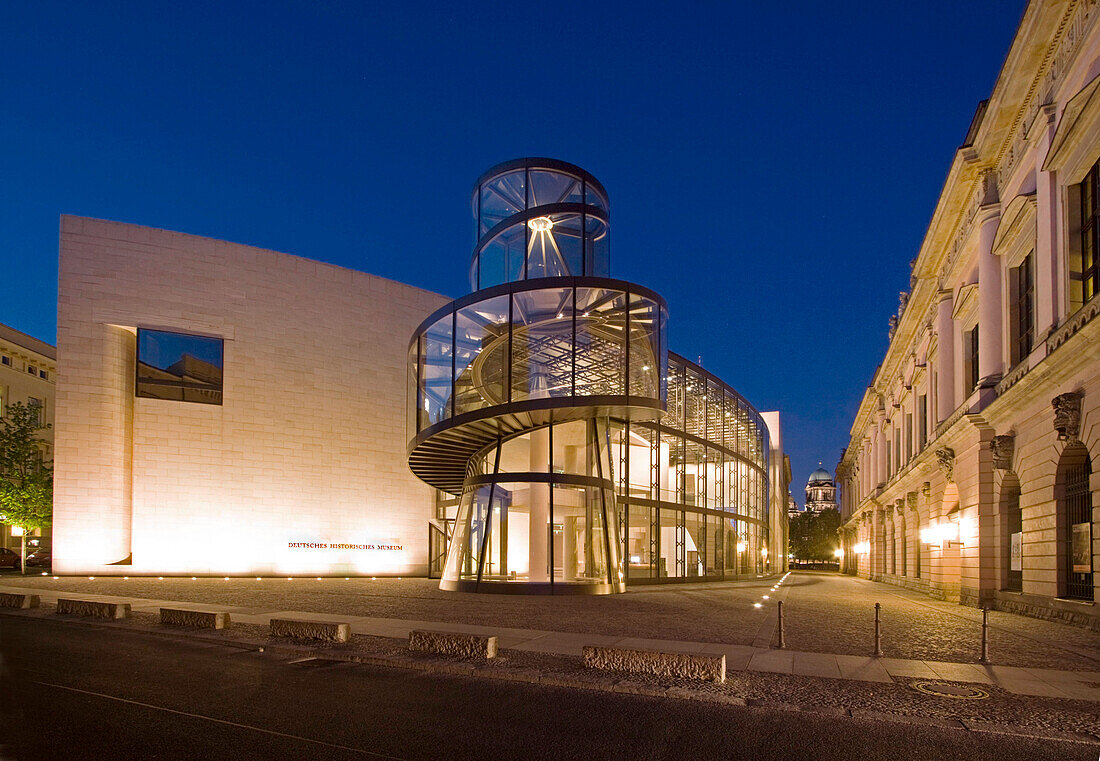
(586,455)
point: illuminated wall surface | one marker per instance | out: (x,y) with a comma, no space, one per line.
(261,432)
(585,454)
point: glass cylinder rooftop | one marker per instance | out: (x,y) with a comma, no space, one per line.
(539,218)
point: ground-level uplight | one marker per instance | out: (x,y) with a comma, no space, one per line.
(766,597)
(757,605)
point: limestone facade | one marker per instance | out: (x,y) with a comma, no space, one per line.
(305,451)
(972,472)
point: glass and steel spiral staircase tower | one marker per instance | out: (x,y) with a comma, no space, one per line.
(512,387)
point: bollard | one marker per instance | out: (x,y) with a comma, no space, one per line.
(782,641)
(878,633)
(985,636)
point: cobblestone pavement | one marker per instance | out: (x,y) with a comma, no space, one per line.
(823,613)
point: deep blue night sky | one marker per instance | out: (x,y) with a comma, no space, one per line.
(772,167)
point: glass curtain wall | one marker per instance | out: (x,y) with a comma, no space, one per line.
(540,510)
(695,488)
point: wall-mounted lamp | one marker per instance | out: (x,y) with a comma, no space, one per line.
(862,548)
(838,553)
(946,533)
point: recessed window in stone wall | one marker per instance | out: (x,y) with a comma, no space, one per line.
(179,367)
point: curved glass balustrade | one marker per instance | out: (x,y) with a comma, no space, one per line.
(551,339)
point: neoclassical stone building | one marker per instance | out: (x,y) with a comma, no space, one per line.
(969,473)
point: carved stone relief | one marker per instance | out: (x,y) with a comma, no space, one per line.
(946,458)
(1067,415)
(1002,447)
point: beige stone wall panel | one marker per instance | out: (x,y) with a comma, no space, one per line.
(308,445)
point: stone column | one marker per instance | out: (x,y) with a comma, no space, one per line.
(878,447)
(945,358)
(1047,260)
(878,543)
(990,361)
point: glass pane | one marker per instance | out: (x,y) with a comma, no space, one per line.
(593,197)
(671,470)
(411,388)
(597,251)
(179,367)
(481,346)
(671,561)
(644,347)
(435,372)
(601,342)
(572,453)
(552,187)
(542,342)
(580,549)
(674,415)
(545,241)
(694,544)
(502,197)
(641,542)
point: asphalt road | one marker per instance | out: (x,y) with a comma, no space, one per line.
(75,691)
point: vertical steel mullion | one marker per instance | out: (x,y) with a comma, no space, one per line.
(488,516)
(626,352)
(526,206)
(584,227)
(573,348)
(511,330)
(477,240)
(549,538)
(419,400)
(603,497)
(454,351)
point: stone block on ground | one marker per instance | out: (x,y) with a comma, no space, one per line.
(197,618)
(706,667)
(8,600)
(452,643)
(94,608)
(283,627)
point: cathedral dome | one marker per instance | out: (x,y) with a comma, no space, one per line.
(821,475)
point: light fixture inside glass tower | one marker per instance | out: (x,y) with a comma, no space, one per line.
(541,224)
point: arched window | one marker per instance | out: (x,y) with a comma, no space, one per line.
(1074,521)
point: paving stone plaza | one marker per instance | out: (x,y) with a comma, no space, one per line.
(824,613)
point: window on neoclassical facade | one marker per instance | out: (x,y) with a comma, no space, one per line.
(970,360)
(1021,281)
(922,421)
(1084,276)
(179,367)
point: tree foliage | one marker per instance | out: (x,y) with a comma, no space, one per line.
(26,482)
(813,536)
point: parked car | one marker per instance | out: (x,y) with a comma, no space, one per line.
(40,558)
(9,558)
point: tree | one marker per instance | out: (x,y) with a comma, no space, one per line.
(813,536)
(26,482)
